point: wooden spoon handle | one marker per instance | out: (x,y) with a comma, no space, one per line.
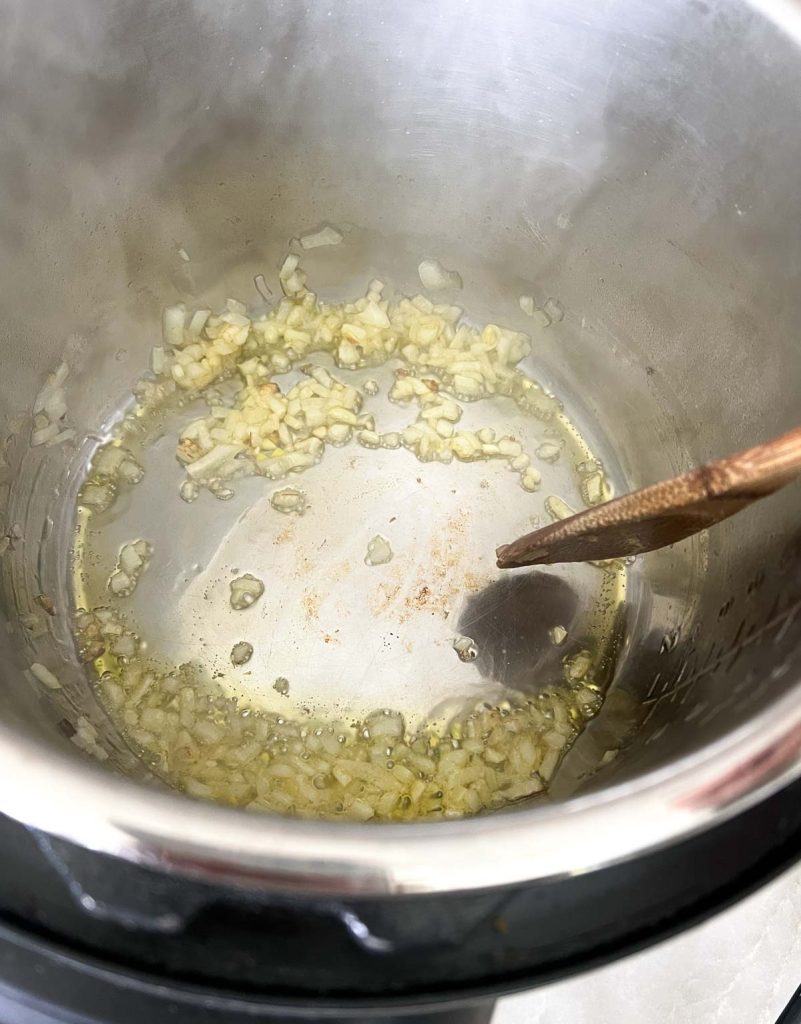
(757,471)
(665,512)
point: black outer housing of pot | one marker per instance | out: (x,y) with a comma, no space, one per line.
(105,940)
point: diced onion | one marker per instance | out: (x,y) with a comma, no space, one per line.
(325,236)
(214,746)
(554,310)
(262,287)
(197,322)
(548,451)
(289,499)
(435,277)
(241,652)
(557,508)
(44,435)
(245,591)
(133,559)
(158,359)
(45,676)
(173,322)
(213,461)
(379,551)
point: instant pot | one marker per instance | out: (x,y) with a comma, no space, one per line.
(640,161)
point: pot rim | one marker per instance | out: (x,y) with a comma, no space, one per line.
(172,833)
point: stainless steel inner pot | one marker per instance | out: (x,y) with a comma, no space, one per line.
(639,161)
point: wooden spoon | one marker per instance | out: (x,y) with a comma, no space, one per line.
(663,513)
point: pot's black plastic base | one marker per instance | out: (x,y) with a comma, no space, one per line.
(52,988)
(96,939)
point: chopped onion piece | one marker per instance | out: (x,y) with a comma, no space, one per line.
(107,460)
(379,551)
(158,360)
(465,648)
(50,399)
(120,584)
(189,490)
(595,488)
(262,288)
(554,310)
(548,451)
(327,235)
(130,471)
(435,277)
(197,322)
(124,646)
(44,435)
(245,591)
(558,508)
(293,280)
(220,491)
(45,676)
(213,461)
(55,406)
(173,322)
(578,666)
(385,724)
(98,497)
(237,307)
(133,560)
(558,635)
(241,653)
(289,499)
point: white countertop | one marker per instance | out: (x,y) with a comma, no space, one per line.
(740,967)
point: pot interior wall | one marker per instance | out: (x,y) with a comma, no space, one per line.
(637,161)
